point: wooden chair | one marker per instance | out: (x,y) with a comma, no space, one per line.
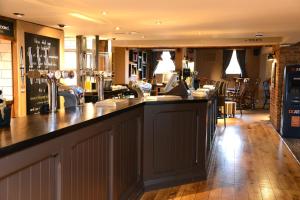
(203,81)
(251,93)
(217,85)
(240,97)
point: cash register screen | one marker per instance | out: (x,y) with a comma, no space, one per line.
(295,87)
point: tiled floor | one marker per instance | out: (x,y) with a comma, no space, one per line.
(252,163)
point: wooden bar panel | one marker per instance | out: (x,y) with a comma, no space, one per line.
(126,141)
(89,168)
(146,147)
(35,182)
(175,144)
(175,139)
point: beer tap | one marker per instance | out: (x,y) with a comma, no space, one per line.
(38,62)
(29,53)
(22,70)
(99,75)
(52,78)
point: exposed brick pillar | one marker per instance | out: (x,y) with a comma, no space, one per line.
(284,56)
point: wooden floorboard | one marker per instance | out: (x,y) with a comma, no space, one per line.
(251,163)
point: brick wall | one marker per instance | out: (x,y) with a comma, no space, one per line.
(284,56)
(6,69)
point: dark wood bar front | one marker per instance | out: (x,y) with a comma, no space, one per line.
(107,153)
(176,143)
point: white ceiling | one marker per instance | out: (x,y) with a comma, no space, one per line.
(180,19)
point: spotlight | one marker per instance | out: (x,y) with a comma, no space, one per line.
(19,14)
(271,56)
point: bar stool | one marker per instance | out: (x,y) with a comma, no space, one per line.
(221,99)
(221,105)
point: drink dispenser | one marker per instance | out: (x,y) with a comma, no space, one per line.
(52,78)
(290,120)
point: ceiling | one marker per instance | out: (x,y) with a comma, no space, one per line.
(159,20)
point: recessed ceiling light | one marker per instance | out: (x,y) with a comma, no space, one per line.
(259,35)
(117,28)
(158,22)
(83,17)
(104,13)
(19,14)
(120,33)
(133,33)
(61,25)
(285,44)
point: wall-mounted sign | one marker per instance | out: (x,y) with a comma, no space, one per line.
(7,28)
(295,69)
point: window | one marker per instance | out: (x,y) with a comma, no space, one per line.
(234,66)
(70,60)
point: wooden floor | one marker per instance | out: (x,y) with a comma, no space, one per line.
(251,163)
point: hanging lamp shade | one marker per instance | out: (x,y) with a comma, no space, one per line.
(166,64)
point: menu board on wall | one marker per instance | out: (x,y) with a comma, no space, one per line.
(41,53)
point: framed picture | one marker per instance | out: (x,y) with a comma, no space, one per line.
(133,70)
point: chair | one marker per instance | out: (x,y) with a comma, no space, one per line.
(252,92)
(217,85)
(220,88)
(240,97)
(266,87)
(203,81)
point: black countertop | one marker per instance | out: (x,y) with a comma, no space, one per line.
(31,130)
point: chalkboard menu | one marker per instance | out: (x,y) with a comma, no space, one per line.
(41,53)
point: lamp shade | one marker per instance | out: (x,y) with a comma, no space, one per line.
(165,65)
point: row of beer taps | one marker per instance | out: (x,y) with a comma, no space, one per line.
(52,78)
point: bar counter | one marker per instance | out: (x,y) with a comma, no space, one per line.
(91,152)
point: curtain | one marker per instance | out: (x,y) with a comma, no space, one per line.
(227,53)
(241,57)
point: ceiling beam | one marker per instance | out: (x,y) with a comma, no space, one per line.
(205,42)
